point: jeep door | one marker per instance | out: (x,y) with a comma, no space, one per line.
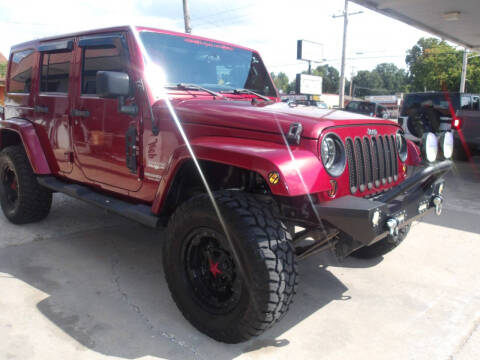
(100,132)
(52,103)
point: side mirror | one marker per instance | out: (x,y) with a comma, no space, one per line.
(114,84)
(111,84)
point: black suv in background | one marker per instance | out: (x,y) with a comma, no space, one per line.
(367,108)
(443,111)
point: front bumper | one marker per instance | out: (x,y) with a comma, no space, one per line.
(370,220)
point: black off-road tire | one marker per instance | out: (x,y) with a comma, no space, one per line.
(383,246)
(33,201)
(263,245)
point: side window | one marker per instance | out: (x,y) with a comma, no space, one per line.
(465,102)
(476,103)
(352,106)
(111,58)
(20,79)
(55,72)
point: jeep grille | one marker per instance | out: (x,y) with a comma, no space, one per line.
(372,162)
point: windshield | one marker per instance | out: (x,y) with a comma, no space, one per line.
(212,65)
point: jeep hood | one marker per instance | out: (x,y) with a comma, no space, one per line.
(265,116)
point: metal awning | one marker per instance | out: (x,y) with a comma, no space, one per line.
(457,21)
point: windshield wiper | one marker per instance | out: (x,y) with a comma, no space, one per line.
(248,91)
(183,86)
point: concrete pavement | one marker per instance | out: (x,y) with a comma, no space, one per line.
(84,284)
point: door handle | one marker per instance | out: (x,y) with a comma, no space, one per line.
(80,113)
(41,109)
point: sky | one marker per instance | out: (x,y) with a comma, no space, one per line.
(270,26)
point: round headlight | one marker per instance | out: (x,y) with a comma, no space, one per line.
(332,152)
(429,146)
(402,146)
(446,144)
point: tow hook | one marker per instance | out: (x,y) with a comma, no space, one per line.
(438,202)
(392,225)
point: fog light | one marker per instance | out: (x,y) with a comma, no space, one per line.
(376,218)
(429,146)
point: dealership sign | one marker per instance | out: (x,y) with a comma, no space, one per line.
(309,84)
(309,51)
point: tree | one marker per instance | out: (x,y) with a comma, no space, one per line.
(367,83)
(386,78)
(393,79)
(281,82)
(435,65)
(3,70)
(330,77)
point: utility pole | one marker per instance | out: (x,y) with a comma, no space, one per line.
(341,101)
(341,85)
(186,17)
(464,71)
(351,82)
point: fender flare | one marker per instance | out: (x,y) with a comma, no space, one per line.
(30,141)
(414,157)
(259,156)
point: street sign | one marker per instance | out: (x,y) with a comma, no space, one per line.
(309,51)
(309,84)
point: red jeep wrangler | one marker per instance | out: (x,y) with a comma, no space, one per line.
(176,130)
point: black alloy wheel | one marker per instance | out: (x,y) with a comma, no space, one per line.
(212,272)
(9,187)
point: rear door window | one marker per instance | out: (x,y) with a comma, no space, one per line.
(20,80)
(55,72)
(476,103)
(352,106)
(466,102)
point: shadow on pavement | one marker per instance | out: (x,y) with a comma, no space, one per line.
(105,286)
(105,289)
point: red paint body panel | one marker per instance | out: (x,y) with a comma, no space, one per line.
(31,142)
(303,176)
(414,154)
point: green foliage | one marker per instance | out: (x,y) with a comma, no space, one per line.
(386,78)
(3,70)
(434,65)
(281,82)
(330,77)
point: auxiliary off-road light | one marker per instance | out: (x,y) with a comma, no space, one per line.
(429,146)
(446,144)
(332,152)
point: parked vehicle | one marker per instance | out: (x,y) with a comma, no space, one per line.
(367,108)
(443,111)
(176,130)
(314,103)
